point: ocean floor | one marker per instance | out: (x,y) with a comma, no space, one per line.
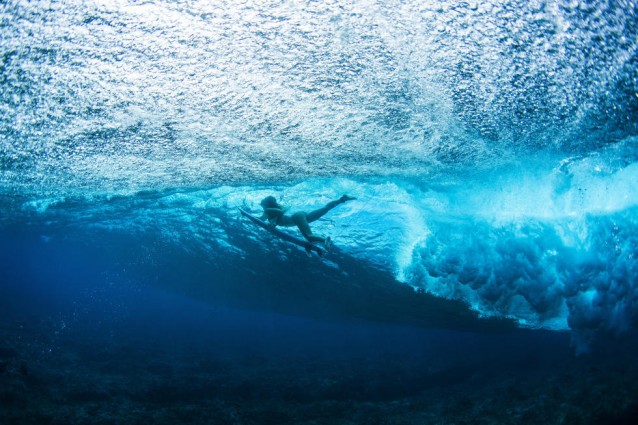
(135,372)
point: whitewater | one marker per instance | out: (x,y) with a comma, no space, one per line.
(493,147)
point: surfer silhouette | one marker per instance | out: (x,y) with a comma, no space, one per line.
(276,216)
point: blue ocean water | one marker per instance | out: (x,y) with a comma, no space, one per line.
(486,272)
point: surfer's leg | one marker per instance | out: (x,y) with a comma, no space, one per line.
(301,221)
(317,214)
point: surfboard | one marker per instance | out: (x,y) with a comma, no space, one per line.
(284,235)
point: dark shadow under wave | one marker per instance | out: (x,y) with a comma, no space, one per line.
(280,278)
(307,286)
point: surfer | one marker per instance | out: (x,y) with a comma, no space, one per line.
(276,216)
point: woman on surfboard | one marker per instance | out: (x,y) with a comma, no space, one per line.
(276,216)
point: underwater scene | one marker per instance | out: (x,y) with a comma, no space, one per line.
(482,267)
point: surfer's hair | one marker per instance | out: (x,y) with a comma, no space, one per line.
(269,202)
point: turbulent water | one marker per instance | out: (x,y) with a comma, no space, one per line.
(492,148)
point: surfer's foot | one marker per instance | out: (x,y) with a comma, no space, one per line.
(327,244)
(346,198)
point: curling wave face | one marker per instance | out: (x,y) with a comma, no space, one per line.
(560,254)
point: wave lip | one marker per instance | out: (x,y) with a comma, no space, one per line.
(577,275)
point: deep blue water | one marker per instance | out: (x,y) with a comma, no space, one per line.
(486,272)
